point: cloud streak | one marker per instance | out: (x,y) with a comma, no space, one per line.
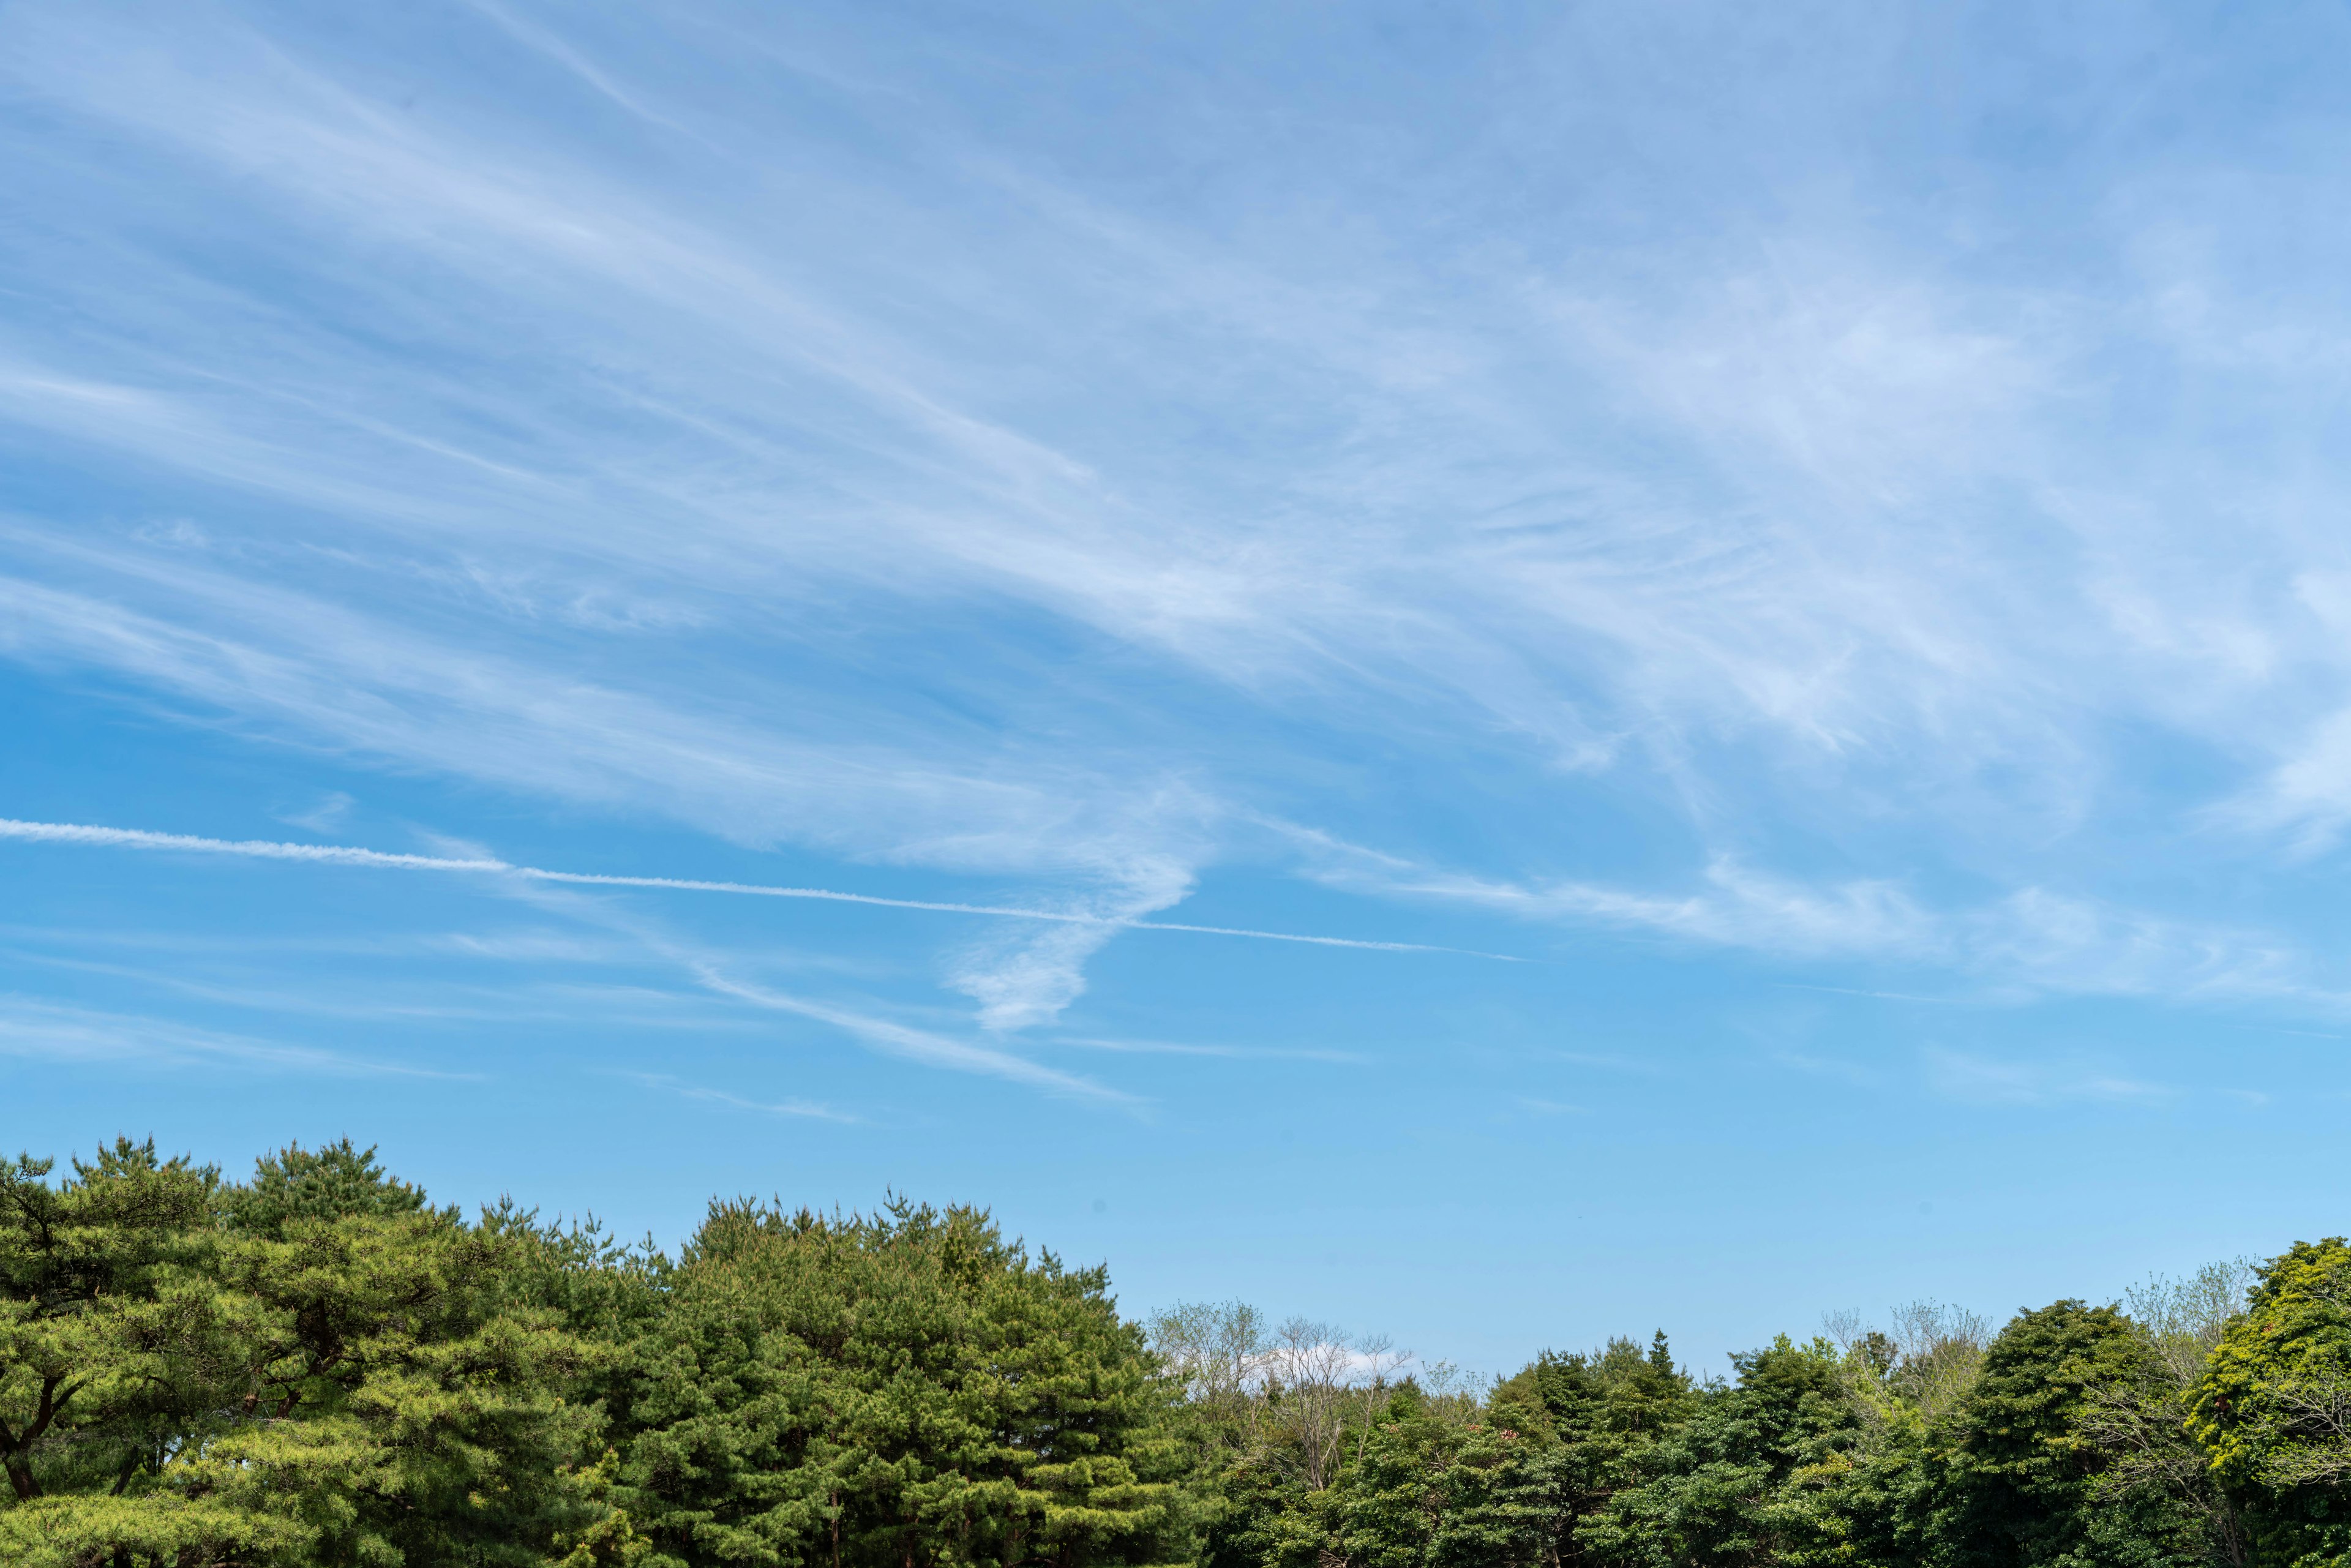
(34,1028)
(336,854)
(1974,1079)
(722,974)
(745,423)
(922,1045)
(804,1109)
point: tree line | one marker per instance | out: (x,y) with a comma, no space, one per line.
(317,1366)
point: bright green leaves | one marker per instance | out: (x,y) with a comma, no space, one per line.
(107,1343)
(2274,1406)
(1432,1490)
(76,1532)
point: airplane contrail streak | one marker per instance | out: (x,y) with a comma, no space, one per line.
(340,854)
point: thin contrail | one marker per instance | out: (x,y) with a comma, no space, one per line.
(338,854)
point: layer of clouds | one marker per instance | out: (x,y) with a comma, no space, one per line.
(754,422)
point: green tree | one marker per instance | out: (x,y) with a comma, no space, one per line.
(1593,1420)
(1882,1502)
(1434,1492)
(316,1368)
(1880,1496)
(905,1389)
(401,1405)
(2273,1407)
(1713,1490)
(2030,1484)
(106,1360)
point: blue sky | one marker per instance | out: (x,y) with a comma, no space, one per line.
(1775,579)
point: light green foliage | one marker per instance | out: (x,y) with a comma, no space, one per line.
(110,1352)
(2273,1407)
(78,1531)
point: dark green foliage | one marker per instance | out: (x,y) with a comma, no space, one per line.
(333,1182)
(1715,1490)
(2032,1487)
(2062,1444)
(907,1387)
(1443,1492)
(2027,1470)
(320,1367)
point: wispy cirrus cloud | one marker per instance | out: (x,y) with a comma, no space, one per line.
(32,1027)
(1233,1053)
(925,1046)
(2033,939)
(1738,907)
(731,976)
(809,455)
(805,1109)
(1976,1079)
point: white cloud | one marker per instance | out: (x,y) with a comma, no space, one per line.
(1231,1052)
(901,493)
(1737,908)
(1025,978)
(1149,888)
(922,1045)
(327,816)
(1988,1081)
(56,1031)
(727,974)
(806,1109)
